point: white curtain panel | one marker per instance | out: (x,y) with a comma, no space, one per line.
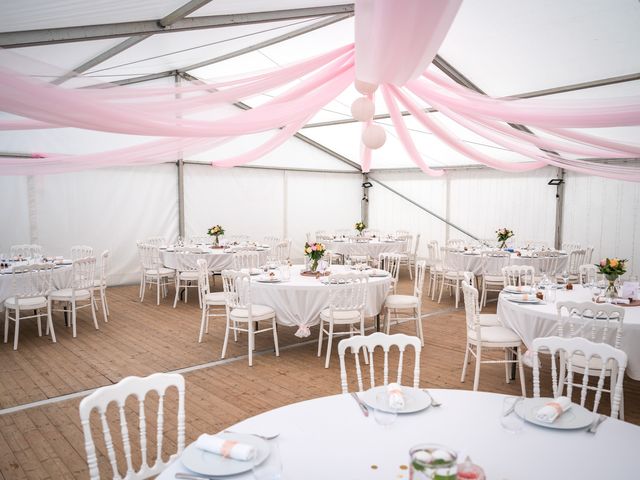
(604,214)
(14,212)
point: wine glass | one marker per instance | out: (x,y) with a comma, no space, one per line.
(383,413)
(565,277)
(271,467)
(509,419)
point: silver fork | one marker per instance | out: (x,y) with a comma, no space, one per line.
(434,402)
(594,426)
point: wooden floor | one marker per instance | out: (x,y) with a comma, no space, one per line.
(44,439)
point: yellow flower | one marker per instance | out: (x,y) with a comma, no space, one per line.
(307,250)
(613,262)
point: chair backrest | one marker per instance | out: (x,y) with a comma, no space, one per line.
(270,240)
(236,238)
(199,240)
(203,278)
(137,387)
(84,270)
(576,258)
(598,322)
(493,262)
(580,351)
(156,241)
(548,262)
(587,273)
(589,254)
(516,275)
(456,243)
(369,343)
(348,291)
(26,251)
(416,244)
(30,281)
(390,262)
(402,234)
(570,247)
(418,281)
(535,244)
(450,261)
(471,308)
(246,259)
(433,252)
(104,265)
(282,250)
(237,290)
(81,251)
(149,256)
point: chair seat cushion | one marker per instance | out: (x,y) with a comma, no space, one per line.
(67,293)
(401,301)
(258,312)
(340,316)
(215,298)
(97,284)
(26,303)
(188,275)
(163,271)
(489,320)
(496,334)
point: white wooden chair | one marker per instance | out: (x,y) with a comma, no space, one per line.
(578,348)
(199,240)
(481,337)
(153,272)
(390,262)
(246,259)
(435,267)
(492,279)
(588,257)
(156,241)
(576,258)
(100,286)
(408,257)
(535,244)
(272,241)
(212,303)
(281,250)
(26,251)
(587,274)
(81,251)
(570,247)
(413,303)
(451,277)
(31,284)
(137,387)
(547,262)
(241,311)
(597,322)
(368,344)
(518,275)
(81,291)
(456,243)
(186,276)
(347,300)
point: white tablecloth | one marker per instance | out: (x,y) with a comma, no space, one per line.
(372,248)
(61,277)
(533,321)
(467,262)
(216,258)
(298,302)
(328,438)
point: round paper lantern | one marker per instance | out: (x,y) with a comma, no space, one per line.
(362,109)
(365,88)
(374,136)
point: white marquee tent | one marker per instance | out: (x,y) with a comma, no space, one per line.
(568,49)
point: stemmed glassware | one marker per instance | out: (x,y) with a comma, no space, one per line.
(383,413)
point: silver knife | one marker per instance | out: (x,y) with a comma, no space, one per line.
(363,407)
(594,426)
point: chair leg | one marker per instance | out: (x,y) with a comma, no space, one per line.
(507,354)
(476,378)
(319,337)
(466,362)
(203,323)
(6,325)
(73,318)
(457,287)
(93,313)
(387,320)
(50,323)
(103,301)
(106,303)
(419,324)
(329,340)
(250,342)
(17,329)
(144,286)
(521,371)
(175,299)
(39,323)
(441,289)
(275,337)
(186,291)
(226,338)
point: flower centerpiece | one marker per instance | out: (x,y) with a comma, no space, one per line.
(612,268)
(315,251)
(504,234)
(216,231)
(360,226)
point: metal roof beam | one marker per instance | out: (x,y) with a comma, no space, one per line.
(181,12)
(29,38)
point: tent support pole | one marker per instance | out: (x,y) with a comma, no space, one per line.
(180,165)
(364,203)
(560,173)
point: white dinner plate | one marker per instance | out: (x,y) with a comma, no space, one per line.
(574,418)
(378,273)
(514,289)
(211,464)
(516,299)
(415,399)
(263,279)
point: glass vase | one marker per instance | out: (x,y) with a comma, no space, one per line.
(611,293)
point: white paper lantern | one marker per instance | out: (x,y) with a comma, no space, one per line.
(374,136)
(362,109)
(365,88)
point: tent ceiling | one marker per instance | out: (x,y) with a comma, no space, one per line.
(505,48)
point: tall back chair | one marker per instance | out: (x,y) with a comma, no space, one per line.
(100,285)
(81,251)
(518,275)
(152,271)
(576,258)
(271,241)
(347,301)
(186,276)
(282,250)
(492,279)
(390,262)
(213,303)
(587,274)
(26,251)
(31,285)
(246,259)
(138,387)
(570,247)
(588,257)
(242,311)
(577,348)
(199,240)
(409,257)
(156,241)
(435,267)
(456,243)
(413,302)
(451,276)
(548,263)
(368,344)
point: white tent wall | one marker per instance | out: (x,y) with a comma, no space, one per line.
(605,214)
(14,212)
(258,203)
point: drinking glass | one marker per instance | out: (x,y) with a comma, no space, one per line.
(565,277)
(383,413)
(432,461)
(509,419)
(271,468)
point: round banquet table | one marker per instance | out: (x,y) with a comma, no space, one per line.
(61,277)
(299,300)
(372,248)
(329,437)
(541,320)
(217,258)
(472,262)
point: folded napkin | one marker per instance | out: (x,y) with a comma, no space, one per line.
(523,297)
(518,289)
(620,301)
(552,410)
(396,397)
(226,447)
